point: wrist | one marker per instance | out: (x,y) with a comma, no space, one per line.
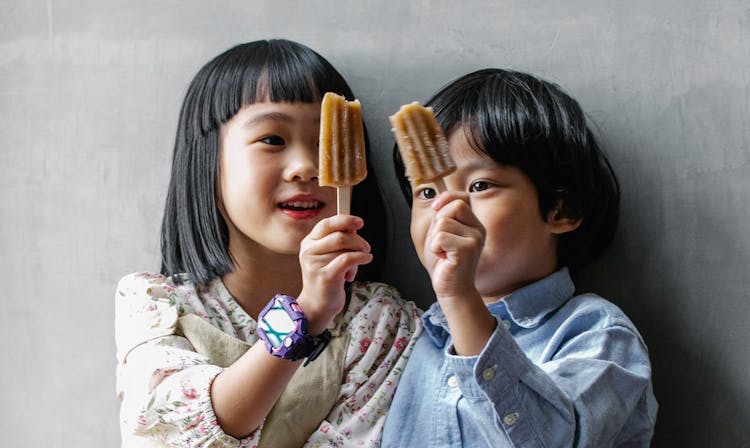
(318,319)
(470,322)
(285,329)
(466,301)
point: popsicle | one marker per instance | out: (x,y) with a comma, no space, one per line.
(422,144)
(341,161)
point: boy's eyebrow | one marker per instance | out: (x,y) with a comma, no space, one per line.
(480,164)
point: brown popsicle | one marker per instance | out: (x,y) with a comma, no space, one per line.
(341,162)
(422,144)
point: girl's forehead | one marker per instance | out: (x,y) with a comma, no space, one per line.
(277,111)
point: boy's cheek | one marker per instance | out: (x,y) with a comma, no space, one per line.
(418,232)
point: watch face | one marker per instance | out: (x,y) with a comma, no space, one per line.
(277,325)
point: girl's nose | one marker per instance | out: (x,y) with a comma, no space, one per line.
(302,165)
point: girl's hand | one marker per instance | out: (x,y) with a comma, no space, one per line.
(329,255)
(453,245)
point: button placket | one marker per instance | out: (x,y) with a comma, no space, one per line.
(452,382)
(510,419)
(488,373)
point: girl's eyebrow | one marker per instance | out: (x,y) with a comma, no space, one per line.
(268,116)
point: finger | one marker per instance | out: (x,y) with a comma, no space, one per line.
(339,242)
(350,274)
(345,262)
(459,211)
(453,226)
(336,223)
(449,196)
(446,242)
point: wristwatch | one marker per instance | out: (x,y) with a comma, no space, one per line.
(284,329)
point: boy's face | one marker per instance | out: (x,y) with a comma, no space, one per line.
(520,247)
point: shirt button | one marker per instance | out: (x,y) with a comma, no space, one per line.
(452,381)
(488,373)
(511,419)
(506,324)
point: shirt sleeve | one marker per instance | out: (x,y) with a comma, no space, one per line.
(383,330)
(162,382)
(583,396)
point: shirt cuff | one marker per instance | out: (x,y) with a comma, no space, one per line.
(209,424)
(495,375)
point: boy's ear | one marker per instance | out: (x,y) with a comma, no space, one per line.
(561,219)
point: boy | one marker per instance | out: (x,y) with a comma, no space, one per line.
(509,355)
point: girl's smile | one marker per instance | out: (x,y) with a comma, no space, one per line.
(302,207)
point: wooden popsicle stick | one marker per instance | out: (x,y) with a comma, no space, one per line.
(440,185)
(343,200)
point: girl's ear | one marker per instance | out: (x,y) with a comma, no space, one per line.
(561,219)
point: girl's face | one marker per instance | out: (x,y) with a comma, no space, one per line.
(519,247)
(268,178)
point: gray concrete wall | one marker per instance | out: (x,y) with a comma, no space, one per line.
(89,96)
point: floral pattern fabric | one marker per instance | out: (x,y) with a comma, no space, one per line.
(164,384)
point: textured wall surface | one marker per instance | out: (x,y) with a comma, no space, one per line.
(89,97)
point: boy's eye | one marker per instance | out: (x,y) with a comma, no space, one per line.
(273,140)
(479,185)
(427,193)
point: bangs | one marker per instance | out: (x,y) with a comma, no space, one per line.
(501,113)
(274,70)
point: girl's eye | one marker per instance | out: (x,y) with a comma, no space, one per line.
(273,140)
(427,193)
(479,185)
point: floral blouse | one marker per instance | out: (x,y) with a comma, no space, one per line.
(164,384)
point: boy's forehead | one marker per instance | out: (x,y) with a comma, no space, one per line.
(463,151)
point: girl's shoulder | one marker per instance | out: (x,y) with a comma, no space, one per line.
(147,306)
(147,287)
(374,301)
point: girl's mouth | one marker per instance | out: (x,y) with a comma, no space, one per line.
(301,205)
(301,209)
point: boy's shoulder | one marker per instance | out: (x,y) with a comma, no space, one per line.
(592,311)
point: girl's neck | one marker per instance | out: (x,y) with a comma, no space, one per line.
(256,279)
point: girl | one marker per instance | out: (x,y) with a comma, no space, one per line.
(510,355)
(256,276)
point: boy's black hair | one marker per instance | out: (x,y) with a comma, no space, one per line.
(194,236)
(519,120)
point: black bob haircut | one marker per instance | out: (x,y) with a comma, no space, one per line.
(522,121)
(194,235)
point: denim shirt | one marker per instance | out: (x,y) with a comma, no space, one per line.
(558,371)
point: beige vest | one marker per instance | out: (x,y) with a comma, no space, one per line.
(307,399)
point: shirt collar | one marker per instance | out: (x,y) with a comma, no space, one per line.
(530,305)
(527,306)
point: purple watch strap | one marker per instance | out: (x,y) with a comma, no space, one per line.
(294,344)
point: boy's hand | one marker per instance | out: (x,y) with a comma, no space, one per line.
(329,255)
(453,245)
(452,248)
